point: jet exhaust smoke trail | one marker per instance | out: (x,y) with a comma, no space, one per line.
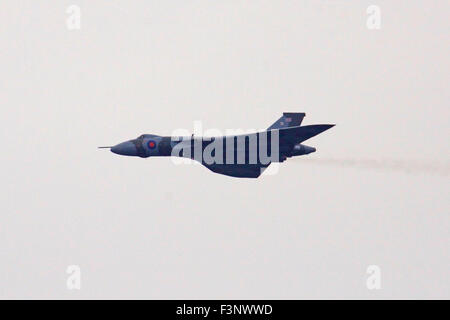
(408,166)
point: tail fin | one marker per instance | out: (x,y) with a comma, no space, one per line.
(289,119)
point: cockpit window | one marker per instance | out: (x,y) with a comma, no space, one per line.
(146,135)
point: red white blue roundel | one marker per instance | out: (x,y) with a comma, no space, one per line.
(151,144)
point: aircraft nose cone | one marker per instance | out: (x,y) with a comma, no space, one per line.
(126,148)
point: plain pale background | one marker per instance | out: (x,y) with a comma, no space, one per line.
(146,228)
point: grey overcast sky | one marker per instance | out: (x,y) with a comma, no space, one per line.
(146,228)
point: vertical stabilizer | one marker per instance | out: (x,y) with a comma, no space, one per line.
(289,119)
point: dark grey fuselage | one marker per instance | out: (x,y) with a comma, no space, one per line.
(244,156)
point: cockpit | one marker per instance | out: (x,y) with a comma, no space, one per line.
(143,136)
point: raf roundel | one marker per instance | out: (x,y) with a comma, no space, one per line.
(151,144)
